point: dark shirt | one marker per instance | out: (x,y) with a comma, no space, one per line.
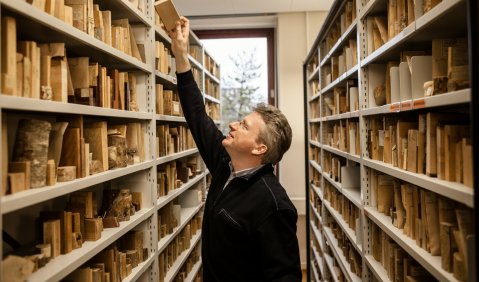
(249,228)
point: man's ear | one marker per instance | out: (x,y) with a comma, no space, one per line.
(260,150)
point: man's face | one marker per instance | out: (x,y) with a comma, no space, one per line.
(244,135)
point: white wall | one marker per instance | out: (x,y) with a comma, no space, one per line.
(295,34)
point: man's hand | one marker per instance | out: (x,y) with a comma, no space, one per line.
(179,44)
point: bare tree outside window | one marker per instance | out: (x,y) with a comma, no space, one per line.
(240,89)
(244,75)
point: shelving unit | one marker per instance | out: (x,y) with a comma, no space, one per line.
(35,24)
(330,101)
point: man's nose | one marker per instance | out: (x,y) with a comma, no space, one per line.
(234,125)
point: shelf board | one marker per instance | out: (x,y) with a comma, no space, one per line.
(449,11)
(319,259)
(175,156)
(429,262)
(318,191)
(315,143)
(212,99)
(211,76)
(42,27)
(161,33)
(13,202)
(46,106)
(195,63)
(352,72)
(347,115)
(170,118)
(315,96)
(314,74)
(163,200)
(453,190)
(372,7)
(194,270)
(124,9)
(181,259)
(344,226)
(377,268)
(447,99)
(316,213)
(315,165)
(63,265)
(338,152)
(329,262)
(315,274)
(166,78)
(349,30)
(317,235)
(390,49)
(186,214)
(353,195)
(315,120)
(140,269)
(333,242)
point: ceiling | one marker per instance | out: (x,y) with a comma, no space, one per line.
(198,8)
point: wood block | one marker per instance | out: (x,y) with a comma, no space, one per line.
(412,150)
(68,15)
(66,173)
(81,274)
(59,80)
(467,162)
(66,231)
(16,182)
(45,77)
(110,222)
(52,236)
(56,142)
(32,145)
(96,136)
(44,249)
(448,245)
(15,268)
(23,167)
(9,56)
(459,267)
(50,7)
(93,229)
(4,142)
(51,173)
(76,222)
(402,130)
(83,202)
(432,223)
(458,162)
(39,4)
(168,14)
(60,9)
(137,200)
(441,152)
(70,152)
(106,17)
(78,68)
(453,135)
(79,13)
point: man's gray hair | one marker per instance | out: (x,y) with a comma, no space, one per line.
(277,133)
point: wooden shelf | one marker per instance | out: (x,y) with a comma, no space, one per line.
(61,266)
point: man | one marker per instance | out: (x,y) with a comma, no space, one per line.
(249,224)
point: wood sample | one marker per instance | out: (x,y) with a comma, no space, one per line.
(95,134)
(168,13)
(22,167)
(31,144)
(16,269)
(9,56)
(93,229)
(52,236)
(4,151)
(70,155)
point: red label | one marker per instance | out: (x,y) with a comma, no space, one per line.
(419,103)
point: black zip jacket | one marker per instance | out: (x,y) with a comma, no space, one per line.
(249,228)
